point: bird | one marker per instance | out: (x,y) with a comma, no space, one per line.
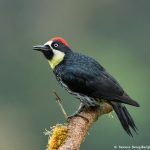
(86,79)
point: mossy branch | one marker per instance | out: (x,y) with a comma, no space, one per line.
(78,127)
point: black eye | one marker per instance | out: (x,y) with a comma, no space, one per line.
(55,45)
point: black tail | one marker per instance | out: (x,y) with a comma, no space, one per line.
(127,100)
(125,118)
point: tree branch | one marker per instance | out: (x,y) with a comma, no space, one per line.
(71,135)
(78,126)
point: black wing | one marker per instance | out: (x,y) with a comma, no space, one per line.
(96,83)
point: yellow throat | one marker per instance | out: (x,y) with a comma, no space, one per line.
(57,58)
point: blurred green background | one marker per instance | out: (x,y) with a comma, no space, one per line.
(116,33)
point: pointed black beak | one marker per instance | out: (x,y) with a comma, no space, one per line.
(41,47)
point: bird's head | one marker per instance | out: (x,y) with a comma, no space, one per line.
(54,50)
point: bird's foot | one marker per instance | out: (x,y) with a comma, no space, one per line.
(76,114)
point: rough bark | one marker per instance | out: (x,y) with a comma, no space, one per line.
(78,126)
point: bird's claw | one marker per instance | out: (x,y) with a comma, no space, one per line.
(76,115)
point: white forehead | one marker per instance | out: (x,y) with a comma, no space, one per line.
(48,43)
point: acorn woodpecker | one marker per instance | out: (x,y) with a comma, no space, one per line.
(87,80)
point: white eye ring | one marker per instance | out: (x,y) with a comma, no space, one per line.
(55,45)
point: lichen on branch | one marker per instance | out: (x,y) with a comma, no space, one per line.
(57,136)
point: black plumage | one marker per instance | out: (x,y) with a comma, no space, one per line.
(83,75)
